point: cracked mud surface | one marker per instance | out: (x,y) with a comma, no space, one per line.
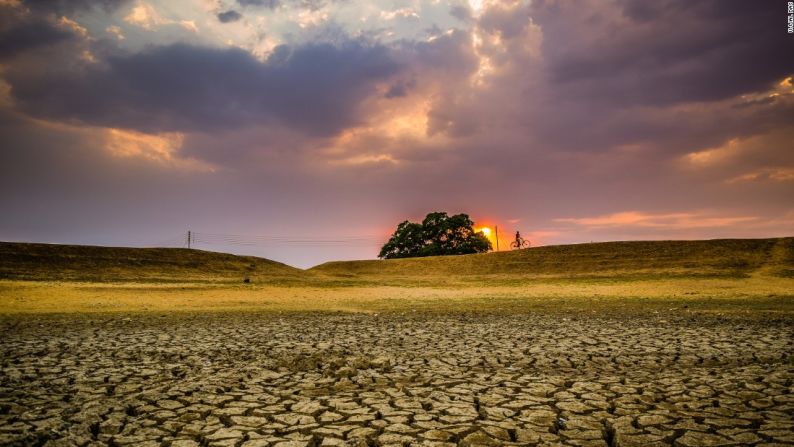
(361,380)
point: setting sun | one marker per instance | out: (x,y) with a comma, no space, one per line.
(486,231)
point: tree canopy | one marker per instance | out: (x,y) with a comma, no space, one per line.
(437,235)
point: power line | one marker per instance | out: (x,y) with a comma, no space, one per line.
(283,238)
(272,240)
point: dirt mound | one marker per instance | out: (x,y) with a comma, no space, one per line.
(709,258)
(51,262)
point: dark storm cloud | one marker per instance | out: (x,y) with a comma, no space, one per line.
(273,4)
(270,4)
(229,16)
(507,22)
(316,88)
(664,52)
(400,89)
(622,125)
(460,12)
(448,55)
(664,75)
(20,36)
(70,6)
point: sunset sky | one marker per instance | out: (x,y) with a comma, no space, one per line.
(305,130)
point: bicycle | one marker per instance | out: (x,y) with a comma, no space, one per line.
(520,243)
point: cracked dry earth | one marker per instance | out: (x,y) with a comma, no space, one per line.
(247,379)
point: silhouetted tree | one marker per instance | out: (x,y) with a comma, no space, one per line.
(437,235)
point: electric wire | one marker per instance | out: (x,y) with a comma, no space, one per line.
(272,240)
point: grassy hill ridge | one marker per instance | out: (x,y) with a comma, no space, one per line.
(718,257)
(641,259)
(29,261)
(665,278)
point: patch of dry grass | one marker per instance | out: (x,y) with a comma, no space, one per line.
(703,295)
(733,277)
(616,260)
(49,262)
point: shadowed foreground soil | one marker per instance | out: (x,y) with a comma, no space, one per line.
(399,379)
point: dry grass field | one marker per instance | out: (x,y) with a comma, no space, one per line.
(614,344)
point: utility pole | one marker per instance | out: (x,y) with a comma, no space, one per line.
(496,230)
(188,238)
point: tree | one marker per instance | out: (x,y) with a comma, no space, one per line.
(406,241)
(437,235)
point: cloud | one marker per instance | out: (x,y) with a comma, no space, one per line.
(311,5)
(162,148)
(768,174)
(115,31)
(593,77)
(461,13)
(229,16)
(400,88)
(366,160)
(759,158)
(710,157)
(683,220)
(74,26)
(316,88)
(28,33)
(270,4)
(147,17)
(627,54)
(71,6)
(404,13)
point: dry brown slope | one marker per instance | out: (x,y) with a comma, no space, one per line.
(48,262)
(722,257)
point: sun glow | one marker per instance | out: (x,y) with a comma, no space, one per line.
(486,231)
(476,5)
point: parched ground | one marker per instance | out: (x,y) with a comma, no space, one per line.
(322,379)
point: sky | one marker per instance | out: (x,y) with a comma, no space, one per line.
(305,130)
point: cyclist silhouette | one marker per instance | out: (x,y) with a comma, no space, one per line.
(519,242)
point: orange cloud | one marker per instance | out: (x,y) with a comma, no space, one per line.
(709,157)
(160,148)
(396,126)
(773,174)
(366,159)
(650,220)
(74,26)
(147,17)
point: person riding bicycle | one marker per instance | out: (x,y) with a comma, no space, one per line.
(518,239)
